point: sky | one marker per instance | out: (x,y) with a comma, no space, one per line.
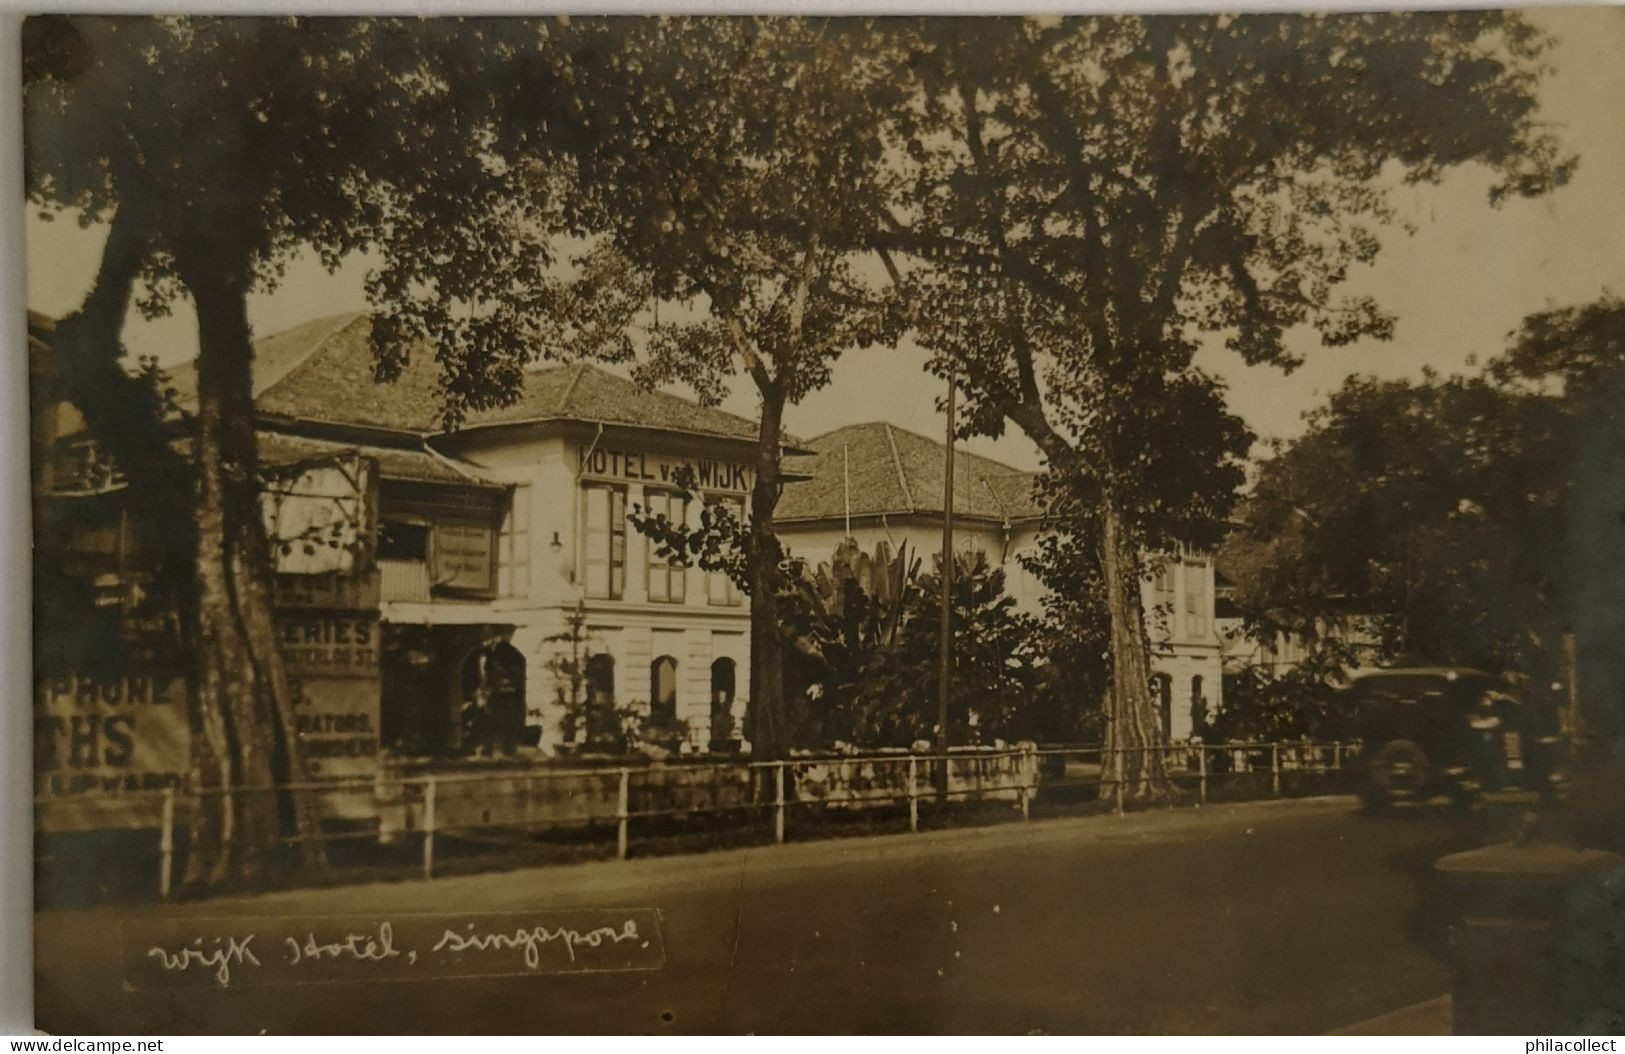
(1458,286)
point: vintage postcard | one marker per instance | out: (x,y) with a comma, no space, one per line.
(1106,523)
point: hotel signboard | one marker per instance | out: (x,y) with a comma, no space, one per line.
(462,555)
(706,475)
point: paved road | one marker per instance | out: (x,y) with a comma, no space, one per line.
(1272,917)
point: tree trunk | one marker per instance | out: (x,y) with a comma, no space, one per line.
(242,685)
(766,719)
(123,414)
(1133,727)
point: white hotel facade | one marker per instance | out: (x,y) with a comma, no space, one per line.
(507,570)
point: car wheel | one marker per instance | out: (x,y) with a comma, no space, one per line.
(1374,801)
(1399,770)
(1462,799)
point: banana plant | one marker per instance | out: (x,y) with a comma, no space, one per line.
(839,615)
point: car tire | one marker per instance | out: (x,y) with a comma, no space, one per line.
(1399,771)
(1462,799)
(1374,801)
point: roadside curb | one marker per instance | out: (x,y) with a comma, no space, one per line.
(599,878)
(1430,1017)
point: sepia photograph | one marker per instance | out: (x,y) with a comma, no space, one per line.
(788,523)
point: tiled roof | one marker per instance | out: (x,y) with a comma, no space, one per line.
(894,471)
(415,464)
(408,458)
(321,371)
(585,393)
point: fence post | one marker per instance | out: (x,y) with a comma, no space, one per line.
(623,812)
(1275,769)
(1026,767)
(428,826)
(913,795)
(1117,778)
(1337,755)
(778,802)
(1201,772)
(166,843)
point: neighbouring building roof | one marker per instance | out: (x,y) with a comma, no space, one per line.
(322,372)
(883,469)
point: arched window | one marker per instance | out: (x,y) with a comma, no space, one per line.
(1162,686)
(663,690)
(600,723)
(601,680)
(493,699)
(1198,707)
(724,685)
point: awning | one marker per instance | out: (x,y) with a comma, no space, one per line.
(445,613)
(416,464)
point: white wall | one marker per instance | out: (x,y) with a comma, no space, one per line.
(1362,633)
(632,629)
(1180,649)
(696,632)
(817,542)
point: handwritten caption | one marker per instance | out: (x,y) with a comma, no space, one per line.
(283,950)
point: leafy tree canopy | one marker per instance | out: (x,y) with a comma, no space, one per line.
(1093,197)
(734,168)
(1430,505)
(1094,194)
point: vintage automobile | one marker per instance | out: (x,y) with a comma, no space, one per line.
(1450,731)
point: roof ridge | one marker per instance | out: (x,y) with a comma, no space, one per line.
(344,323)
(847,428)
(960,448)
(656,392)
(670,396)
(1004,510)
(570,389)
(897,460)
(910,431)
(455,464)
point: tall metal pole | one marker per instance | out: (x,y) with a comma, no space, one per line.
(846,487)
(945,648)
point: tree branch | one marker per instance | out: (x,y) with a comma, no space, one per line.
(1027,379)
(122,412)
(753,362)
(798,301)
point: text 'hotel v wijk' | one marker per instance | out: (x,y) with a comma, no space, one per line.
(424,574)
